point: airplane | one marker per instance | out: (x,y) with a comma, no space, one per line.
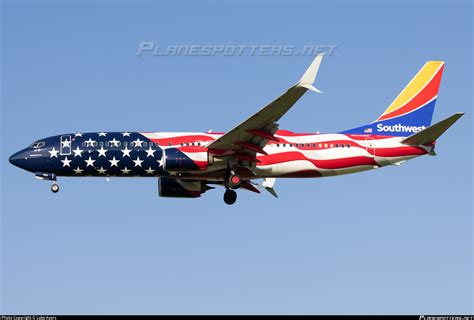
(188,164)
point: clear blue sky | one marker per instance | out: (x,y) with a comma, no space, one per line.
(394,240)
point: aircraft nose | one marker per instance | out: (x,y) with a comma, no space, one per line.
(17,159)
(14,158)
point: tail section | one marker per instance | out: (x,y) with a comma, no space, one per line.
(412,110)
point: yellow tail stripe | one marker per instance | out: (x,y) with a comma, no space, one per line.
(420,80)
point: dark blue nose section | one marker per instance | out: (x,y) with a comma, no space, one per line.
(22,160)
(16,159)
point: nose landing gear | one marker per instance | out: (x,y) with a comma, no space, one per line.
(50,177)
(54,187)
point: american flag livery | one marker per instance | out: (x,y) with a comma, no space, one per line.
(190,163)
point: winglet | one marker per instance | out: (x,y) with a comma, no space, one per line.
(268,184)
(308,78)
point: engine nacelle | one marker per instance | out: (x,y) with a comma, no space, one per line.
(191,159)
(175,188)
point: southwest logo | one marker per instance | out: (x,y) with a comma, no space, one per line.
(399,128)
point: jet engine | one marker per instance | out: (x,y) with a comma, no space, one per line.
(175,188)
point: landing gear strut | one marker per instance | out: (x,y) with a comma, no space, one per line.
(55,187)
(230,196)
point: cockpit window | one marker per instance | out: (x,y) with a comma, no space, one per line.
(38,144)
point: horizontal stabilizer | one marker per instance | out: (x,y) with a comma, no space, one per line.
(433,132)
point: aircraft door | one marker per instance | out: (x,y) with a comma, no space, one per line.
(370,146)
(65,145)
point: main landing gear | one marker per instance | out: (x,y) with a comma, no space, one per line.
(233,181)
(230,196)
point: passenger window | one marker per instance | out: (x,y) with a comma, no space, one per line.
(320,146)
(348,145)
(291,145)
(331,145)
(337,145)
(284,145)
(314,145)
(325,145)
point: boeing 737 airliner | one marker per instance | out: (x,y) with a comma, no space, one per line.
(188,164)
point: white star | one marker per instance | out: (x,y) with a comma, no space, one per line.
(66,162)
(161,162)
(90,162)
(102,134)
(90,142)
(138,142)
(54,153)
(125,134)
(126,152)
(66,143)
(125,170)
(115,143)
(149,170)
(102,151)
(77,152)
(138,162)
(114,162)
(78,134)
(78,170)
(150,152)
(101,170)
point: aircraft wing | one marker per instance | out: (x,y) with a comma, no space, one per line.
(250,136)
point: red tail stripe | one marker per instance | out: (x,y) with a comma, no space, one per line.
(424,96)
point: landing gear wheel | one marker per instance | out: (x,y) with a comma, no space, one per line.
(230,196)
(234,181)
(54,188)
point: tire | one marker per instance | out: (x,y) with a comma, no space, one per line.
(234,181)
(230,196)
(54,188)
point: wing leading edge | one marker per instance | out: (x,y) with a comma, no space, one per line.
(251,135)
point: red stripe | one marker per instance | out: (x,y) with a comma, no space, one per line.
(291,133)
(365,136)
(425,95)
(192,149)
(323,164)
(398,152)
(181,139)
